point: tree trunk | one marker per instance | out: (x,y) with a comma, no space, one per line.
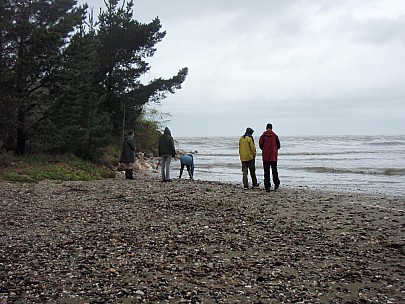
(21,134)
(123,119)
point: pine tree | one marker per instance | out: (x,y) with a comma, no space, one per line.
(125,43)
(33,34)
(78,122)
(69,88)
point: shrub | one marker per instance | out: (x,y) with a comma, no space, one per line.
(66,167)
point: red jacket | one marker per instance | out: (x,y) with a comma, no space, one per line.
(269,144)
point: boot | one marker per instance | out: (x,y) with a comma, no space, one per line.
(130,174)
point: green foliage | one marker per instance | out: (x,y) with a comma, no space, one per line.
(147,137)
(78,122)
(125,44)
(110,155)
(33,34)
(147,126)
(40,167)
(67,86)
(6,158)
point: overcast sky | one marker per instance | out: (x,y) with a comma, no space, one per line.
(310,67)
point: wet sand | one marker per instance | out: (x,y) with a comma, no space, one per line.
(144,241)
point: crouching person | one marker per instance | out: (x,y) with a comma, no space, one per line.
(188,161)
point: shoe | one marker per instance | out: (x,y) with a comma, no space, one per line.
(267,189)
(245,188)
(276,187)
(257,185)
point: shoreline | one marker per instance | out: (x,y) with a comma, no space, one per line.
(146,166)
(139,241)
(341,164)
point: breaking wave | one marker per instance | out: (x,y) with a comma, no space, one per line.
(368,162)
(366,171)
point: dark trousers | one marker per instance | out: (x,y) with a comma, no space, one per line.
(252,169)
(266,167)
(188,170)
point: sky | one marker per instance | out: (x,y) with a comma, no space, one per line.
(309,67)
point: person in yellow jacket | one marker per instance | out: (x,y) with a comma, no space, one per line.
(247,154)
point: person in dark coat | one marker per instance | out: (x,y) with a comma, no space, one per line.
(128,154)
(269,143)
(166,152)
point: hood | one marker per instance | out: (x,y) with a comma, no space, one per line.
(249,131)
(167,131)
(269,133)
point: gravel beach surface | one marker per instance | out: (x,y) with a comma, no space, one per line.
(144,241)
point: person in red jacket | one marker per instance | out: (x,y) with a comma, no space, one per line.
(269,144)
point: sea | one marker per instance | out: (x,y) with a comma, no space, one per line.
(365,164)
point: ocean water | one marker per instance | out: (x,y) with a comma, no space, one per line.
(368,164)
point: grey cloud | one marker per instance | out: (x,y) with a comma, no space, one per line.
(381,31)
(310,67)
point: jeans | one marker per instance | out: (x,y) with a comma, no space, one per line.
(165,165)
(266,167)
(190,173)
(252,169)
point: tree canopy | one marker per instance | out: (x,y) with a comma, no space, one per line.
(70,84)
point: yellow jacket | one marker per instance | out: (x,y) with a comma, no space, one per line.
(247,149)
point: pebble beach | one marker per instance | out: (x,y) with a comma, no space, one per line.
(144,241)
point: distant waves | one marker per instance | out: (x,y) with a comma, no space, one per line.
(370,171)
(369,164)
